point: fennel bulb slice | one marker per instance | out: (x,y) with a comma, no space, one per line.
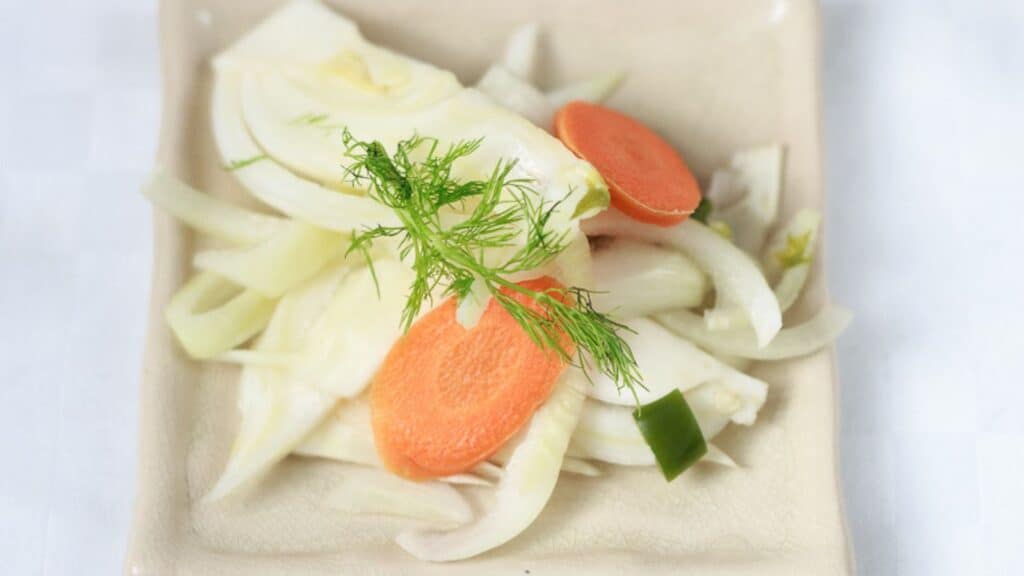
(633,278)
(736,277)
(751,207)
(518,95)
(346,435)
(347,344)
(608,433)
(273,267)
(372,491)
(596,89)
(275,412)
(523,490)
(210,315)
(209,215)
(520,56)
(274,184)
(666,362)
(800,340)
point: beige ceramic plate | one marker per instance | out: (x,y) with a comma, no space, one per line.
(714,77)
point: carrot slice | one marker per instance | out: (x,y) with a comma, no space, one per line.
(647,178)
(447,398)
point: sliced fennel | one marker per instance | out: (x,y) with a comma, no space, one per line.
(273,267)
(346,435)
(666,363)
(209,315)
(518,95)
(800,340)
(716,455)
(596,89)
(276,413)
(580,467)
(372,491)
(525,487)
(633,278)
(209,215)
(350,339)
(520,56)
(275,185)
(750,208)
(736,277)
(608,433)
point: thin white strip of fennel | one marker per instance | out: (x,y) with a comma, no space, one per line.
(736,277)
(666,362)
(525,488)
(373,491)
(800,340)
(277,186)
(208,215)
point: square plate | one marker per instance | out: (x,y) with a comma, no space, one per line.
(713,77)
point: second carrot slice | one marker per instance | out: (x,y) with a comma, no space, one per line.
(447,398)
(647,178)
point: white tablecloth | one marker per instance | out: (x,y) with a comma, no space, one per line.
(924,130)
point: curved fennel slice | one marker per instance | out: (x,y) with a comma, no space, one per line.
(275,185)
(210,315)
(509,90)
(736,277)
(374,491)
(524,489)
(608,433)
(207,214)
(348,342)
(633,278)
(746,196)
(294,254)
(275,413)
(800,340)
(666,361)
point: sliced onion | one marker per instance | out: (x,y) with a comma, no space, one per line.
(370,491)
(273,267)
(210,315)
(209,215)
(800,340)
(633,278)
(521,49)
(518,95)
(525,487)
(596,89)
(666,362)
(736,277)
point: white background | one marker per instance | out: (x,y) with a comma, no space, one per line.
(925,143)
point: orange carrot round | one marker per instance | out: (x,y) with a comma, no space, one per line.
(647,178)
(446,398)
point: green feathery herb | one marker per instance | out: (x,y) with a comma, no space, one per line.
(416,182)
(242,163)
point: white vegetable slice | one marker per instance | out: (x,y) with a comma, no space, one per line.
(209,215)
(609,434)
(255,358)
(580,467)
(520,57)
(275,266)
(276,414)
(518,95)
(800,340)
(596,89)
(210,315)
(371,491)
(666,362)
(715,455)
(346,435)
(758,174)
(633,278)
(275,185)
(349,341)
(525,487)
(736,277)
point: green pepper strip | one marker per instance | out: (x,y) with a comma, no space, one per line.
(670,429)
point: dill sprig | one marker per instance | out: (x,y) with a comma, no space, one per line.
(501,212)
